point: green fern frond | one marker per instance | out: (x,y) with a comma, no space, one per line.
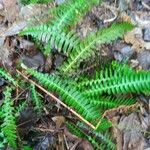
(69,94)
(105,139)
(113,82)
(86,48)
(70,12)
(7,76)
(8,126)
(36,99)
(99,140)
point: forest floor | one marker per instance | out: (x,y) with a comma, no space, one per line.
(49,130)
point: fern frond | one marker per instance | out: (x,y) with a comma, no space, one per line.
(105,139)
(69,94)
(8,126)
(7,76)
(70,12)
(99,140)
(86,48)
(113,82)
(36,99)
(76,131)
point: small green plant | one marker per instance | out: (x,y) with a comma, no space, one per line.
(38,105)
(8,127)
(99,140)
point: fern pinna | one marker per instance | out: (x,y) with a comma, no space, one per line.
(8,127)
(69,94)
(112,81)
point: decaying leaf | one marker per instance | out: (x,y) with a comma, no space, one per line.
(11,10)
(59,120)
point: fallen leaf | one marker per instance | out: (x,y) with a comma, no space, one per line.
(59,120)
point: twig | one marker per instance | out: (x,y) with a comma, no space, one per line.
(57,100)
(44,130)
(146,5)
(113,10)
(66,142)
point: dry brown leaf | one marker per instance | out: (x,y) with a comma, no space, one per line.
(11,10)
(135,38)
(59,120)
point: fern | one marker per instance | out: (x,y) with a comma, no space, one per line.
(76,131)
(86,48)
(70,12)
(93,137)
(36,99)
(7,76)
(114,82)
(106,139)
(8,127)
(69,94)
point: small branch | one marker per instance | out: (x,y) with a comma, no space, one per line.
(57,100)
